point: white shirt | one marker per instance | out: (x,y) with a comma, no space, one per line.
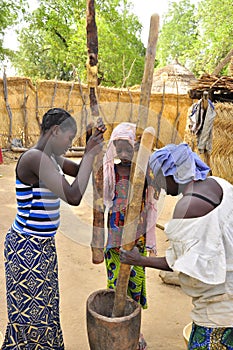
(202,251)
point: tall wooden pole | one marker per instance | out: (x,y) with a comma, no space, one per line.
(8,108)
(25,115)
(97,243)
(92,60)
(138,169)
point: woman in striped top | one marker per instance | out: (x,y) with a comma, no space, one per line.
(30,252)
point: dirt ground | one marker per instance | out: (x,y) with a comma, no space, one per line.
(169,309)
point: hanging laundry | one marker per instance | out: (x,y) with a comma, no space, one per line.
(201,124)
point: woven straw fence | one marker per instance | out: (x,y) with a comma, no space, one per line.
(221,157)
(28,102)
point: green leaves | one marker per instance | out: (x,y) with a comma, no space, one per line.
(216,36)
(178,34)
(53,40)
(199,36)
(57,35)
(11,12)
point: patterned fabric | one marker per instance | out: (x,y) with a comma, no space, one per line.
(32,294)
(137,280)
(210,338)
(37,210)
(116,215)
(127,131)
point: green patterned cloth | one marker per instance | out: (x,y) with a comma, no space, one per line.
(137,279)
(203,338)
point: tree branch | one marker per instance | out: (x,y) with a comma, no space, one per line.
(223,63)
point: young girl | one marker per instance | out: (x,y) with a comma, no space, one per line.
(116,186)
(30,252)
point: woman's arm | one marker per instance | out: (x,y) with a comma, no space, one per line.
(36,165)
(133,257)
(70,167)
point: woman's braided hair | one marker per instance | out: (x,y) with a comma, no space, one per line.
(58,116)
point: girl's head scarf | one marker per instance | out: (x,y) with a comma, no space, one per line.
(123,131)
(180,162)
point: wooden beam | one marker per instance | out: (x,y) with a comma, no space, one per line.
(97,243)
(138,168)
(8,108)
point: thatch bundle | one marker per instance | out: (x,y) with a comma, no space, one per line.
(222,153)
(208,82)
(218,88)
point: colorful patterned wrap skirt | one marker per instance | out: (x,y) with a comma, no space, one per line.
(137,280)
(32,294)
(203,338)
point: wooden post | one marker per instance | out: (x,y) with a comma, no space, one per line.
(92,61)
(25,116)
(8,108)
(138,168)
(37,108)
(97,243)
(69,95)
(54,93)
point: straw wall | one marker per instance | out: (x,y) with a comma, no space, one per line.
(221,157)
(222,154)
(20,98)
(28,103)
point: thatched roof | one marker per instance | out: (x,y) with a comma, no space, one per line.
(218,88)
(178,81)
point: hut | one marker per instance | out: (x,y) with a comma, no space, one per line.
(171,84)
(173,79)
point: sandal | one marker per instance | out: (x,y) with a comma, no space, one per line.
(142,345)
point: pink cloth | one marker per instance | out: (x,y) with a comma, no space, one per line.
(127,131)
(123,131)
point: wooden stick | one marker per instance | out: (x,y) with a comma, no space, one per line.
(92,61)
(137,173)
(25,116)
(69,95)
(97,243)
(148,75)
(54,93)
(84,112)
(37,108)
(8,108)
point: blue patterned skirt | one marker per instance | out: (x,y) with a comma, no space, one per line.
(32,294)
(203,338)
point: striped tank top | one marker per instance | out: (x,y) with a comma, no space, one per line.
(38,210)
